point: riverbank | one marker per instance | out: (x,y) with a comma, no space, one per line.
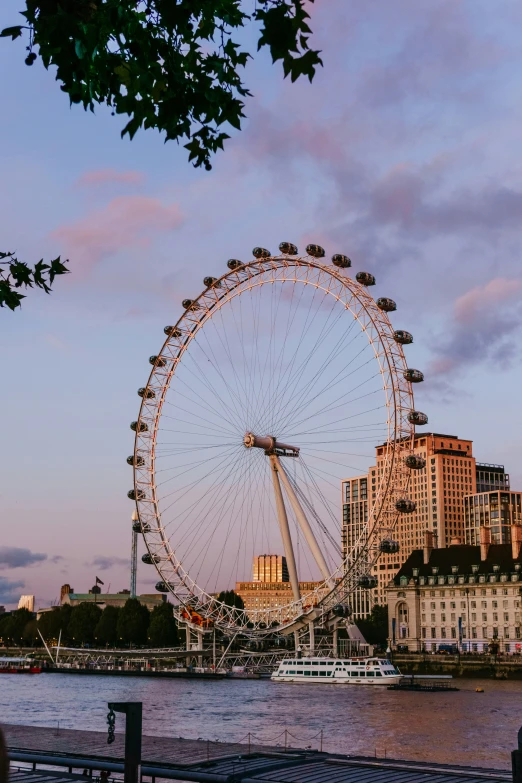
(488,667)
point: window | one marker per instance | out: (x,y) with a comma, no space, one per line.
(443,633)
(453,633)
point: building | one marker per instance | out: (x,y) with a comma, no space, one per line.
(270,595)
(109,599)
(464,596)
(26,602)
(355,519)
(270,588)
(438,489)
(270,568)
(497,510)
(491,477)
(2,609)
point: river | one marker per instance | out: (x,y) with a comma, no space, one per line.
(463,727)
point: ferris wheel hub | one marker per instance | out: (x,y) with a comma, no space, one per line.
(270,445)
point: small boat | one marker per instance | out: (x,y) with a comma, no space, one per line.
(18,666)
(339,671)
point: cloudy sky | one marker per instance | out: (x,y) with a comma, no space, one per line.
(404,154)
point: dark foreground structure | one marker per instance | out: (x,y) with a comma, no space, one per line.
(48,755)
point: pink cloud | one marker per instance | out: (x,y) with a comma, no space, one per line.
(110,176)
(125,222)
(483,328)
(474,303)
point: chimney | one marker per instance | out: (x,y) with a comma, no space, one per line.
(516,541)
(428,546)
(485,541)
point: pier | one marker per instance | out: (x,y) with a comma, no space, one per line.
(51,755)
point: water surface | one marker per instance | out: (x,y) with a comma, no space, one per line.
(465,727)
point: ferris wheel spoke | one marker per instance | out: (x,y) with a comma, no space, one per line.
(320,412)
(219,488)
(202,403)
(292,391)
(302,384)
(205,421)
(301,397)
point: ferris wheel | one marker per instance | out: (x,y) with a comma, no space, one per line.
(274,385)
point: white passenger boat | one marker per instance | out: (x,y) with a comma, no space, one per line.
(346,671)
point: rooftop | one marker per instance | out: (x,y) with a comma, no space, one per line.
(499,558)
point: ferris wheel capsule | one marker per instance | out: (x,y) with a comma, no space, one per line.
(415,462)
(190,304)
(406,506)
(368,582)
(171,331)
(136,494)
(261,252)
(288,248)
(162,587)
(147,394)
(413,376)
(418,418)
(157,361)
(211,282)
(135,460)
(316,251)
(402,337)
(141,427)
(149,559)
(389,547)
(388,305)
(365,278)
(234,263)
(343,262)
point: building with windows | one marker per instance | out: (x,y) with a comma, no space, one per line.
(270,595)
(438,490)
(464,596)
(355,519)
(270,588)
(270,568)
(491,477)
(497,510)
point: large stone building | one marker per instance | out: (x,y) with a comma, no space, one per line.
(463,596)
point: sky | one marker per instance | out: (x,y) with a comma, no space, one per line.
(404,154)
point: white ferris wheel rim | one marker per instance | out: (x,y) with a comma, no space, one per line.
(374,322)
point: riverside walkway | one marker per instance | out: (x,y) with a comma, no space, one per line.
(166,758)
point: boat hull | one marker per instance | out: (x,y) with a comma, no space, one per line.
(382,682)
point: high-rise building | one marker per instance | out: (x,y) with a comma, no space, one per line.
(270,595)
(270,568)
(496,511)
(438,489)
(26,602)
(355,520)
(491,477)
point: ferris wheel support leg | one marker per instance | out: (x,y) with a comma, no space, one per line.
(285,529)
(303,523)
(312,637)
(335,640)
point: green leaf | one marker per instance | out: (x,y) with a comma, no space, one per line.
(12,32)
